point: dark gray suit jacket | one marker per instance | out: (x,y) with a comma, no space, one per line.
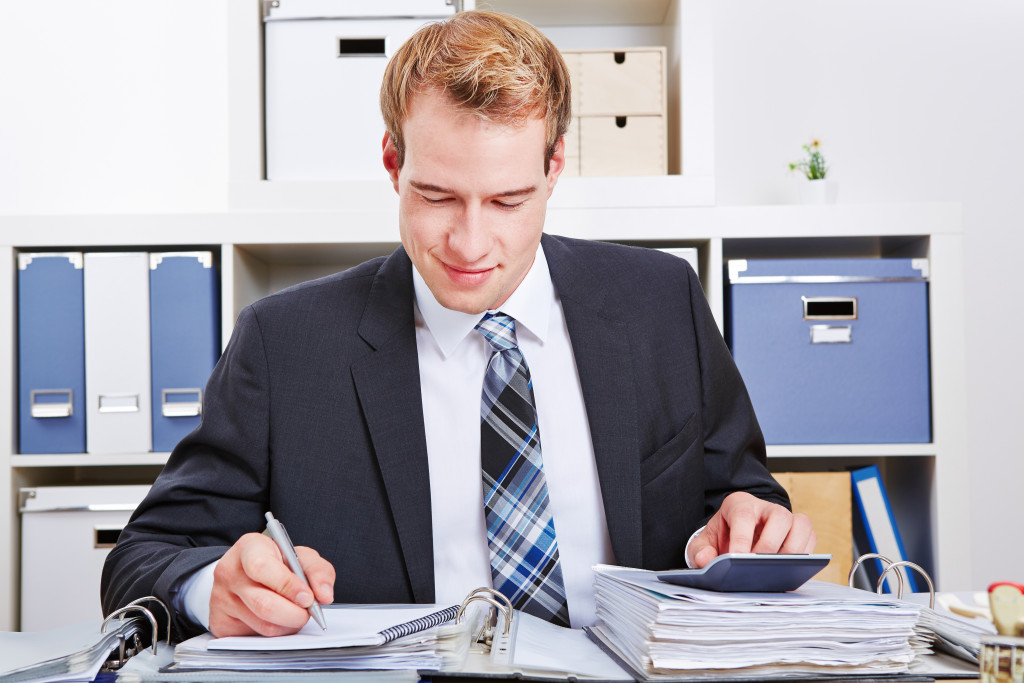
(314,412)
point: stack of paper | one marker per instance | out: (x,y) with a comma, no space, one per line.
(952,634)
(356,638)
(662,630)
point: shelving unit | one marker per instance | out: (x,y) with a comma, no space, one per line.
(276,234)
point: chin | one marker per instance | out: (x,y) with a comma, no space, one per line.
(464,304)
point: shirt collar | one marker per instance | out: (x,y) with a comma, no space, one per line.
(529,304)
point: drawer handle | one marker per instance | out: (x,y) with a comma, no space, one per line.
(181,408)
(361,47)
(119,403)
(830,307)
(105,536)
(51,408)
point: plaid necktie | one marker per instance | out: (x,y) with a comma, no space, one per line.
(520,531)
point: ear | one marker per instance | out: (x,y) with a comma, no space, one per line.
(391,159)
(556,165)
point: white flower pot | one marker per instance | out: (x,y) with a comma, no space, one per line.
(822,191)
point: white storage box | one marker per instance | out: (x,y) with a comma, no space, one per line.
(324,61)
(66,533)
(619,112)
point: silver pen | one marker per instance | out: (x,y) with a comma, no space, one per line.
(280,536)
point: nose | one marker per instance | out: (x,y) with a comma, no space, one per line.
(468,236)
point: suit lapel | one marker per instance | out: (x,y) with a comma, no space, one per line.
(601,346)
(388,384)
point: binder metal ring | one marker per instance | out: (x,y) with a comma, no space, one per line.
(907,563)
(494,593)
(881,558)
(505,606)
(150,598)
(121,611)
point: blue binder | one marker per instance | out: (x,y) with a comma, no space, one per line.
(51,353)
(877,526)
(184,339)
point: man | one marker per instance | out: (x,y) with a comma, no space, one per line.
(351,406)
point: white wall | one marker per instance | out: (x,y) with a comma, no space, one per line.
(112,107)
(121,106)
(916,100)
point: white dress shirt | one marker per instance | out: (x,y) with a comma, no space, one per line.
(453,359)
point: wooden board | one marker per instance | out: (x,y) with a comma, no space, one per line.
(825,497)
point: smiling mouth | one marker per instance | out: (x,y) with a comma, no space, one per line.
(467,277)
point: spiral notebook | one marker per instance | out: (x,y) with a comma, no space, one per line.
(357,637)
(350,626)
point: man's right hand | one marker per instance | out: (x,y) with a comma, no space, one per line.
(255,592)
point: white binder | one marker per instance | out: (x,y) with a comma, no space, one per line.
(117,379)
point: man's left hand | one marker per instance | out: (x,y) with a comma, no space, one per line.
(746,524)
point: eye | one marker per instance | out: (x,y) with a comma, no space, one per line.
(435,201)
(509,206)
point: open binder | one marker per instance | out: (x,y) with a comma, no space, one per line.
(462,641)
(81,651)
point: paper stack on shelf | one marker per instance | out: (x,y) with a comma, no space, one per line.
(663,631)
(357,637)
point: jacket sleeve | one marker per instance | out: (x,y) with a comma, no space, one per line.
(211,492)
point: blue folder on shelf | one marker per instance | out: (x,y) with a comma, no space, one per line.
(877,526)
(51,353)
(184,339)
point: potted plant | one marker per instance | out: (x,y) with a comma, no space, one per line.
(819,189)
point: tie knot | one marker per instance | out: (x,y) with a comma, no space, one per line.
(499,330)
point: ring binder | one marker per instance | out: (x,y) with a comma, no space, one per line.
(80,651)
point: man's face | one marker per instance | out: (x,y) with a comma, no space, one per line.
(472,200)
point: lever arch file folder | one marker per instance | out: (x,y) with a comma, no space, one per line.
(51,353)
(117,353)
(184,340)
(78,653)
(877,528)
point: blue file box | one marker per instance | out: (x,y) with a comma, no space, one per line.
(184,340)
(51,353)
(833,350)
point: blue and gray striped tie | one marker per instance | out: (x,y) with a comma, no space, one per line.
(520,530)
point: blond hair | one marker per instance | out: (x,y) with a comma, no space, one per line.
(490,64)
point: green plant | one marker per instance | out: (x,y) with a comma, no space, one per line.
(814,165)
